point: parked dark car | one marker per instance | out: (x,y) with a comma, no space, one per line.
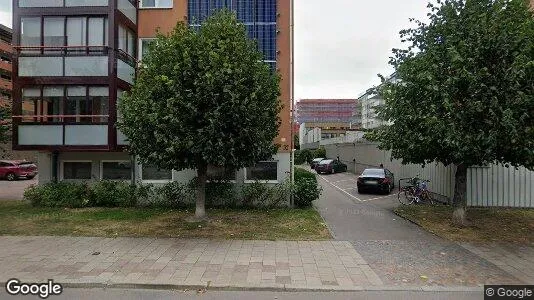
(330,166)
(376,180)
(15,169)
(314,162)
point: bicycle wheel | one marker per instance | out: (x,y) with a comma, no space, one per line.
(405,197)
(427,198)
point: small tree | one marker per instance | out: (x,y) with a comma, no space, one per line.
(465,93)
(203,97)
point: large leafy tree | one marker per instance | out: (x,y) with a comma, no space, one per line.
(203,97)
(465,90)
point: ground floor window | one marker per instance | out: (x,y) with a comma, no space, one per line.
(150,172)
(263,170)
(73,170)
(116,170)
(220,173)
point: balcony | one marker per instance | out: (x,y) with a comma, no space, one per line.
(4,47)
(37,61)
(62,3)
(5,84)
(72,61)
(6,66)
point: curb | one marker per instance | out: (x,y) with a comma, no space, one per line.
(265,288)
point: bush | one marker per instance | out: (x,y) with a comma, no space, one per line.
(258,194)
(61,194)
(107,193)
(172,195)
(220,194)
(301,173)
(303,156)
(305,189)
(319,153)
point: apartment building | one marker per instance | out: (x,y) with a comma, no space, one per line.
(5,65)
(333,116)
(74,58)
(369,101)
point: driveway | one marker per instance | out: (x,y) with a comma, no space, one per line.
(399,252)
(14,190)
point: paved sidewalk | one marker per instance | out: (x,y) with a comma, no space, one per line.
(516,260)
(333,265)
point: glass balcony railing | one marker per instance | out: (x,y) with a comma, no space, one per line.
(62,3)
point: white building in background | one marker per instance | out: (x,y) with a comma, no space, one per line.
(369,102)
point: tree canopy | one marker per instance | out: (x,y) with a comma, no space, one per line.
(203,96)
(465,88)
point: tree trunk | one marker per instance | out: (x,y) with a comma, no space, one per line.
(200,211)
(459,201)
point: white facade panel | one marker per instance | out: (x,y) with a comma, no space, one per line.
(40,134)
(86,134)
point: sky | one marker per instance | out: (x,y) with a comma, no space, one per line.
(340,45)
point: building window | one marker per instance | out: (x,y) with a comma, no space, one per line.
(47,104)
(30,31)
(30,104)
(126,40)
(87,31)
(116,170)
(150,172)
(220,174)
(156,3)
(76,170)
(98,102)
(263,170)
(144,46)
(53,103)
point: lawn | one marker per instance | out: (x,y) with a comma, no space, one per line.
(20,218)
(485,224)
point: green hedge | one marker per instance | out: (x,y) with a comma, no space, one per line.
(174,194)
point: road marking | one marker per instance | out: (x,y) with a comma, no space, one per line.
(377,198)
(345,180)
(337,187)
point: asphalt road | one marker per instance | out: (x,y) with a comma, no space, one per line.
(14,190)
(127,294)
(352,216)
(400,252)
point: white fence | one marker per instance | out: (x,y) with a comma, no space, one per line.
(495,185)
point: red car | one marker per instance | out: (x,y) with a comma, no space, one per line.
(15,169)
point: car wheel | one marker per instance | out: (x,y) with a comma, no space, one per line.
(11,177)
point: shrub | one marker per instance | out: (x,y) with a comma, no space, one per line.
(173,195)
(301,173)
(305,189)
(220,194)
(319,153)
(262,195)
(303,156)
(107,193)
(60,194)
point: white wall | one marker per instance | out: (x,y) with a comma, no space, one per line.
(495,185)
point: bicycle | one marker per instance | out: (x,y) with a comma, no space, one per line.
(417,192)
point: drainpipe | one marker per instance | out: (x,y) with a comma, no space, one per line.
(55,155)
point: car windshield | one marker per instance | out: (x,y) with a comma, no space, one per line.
(325,162)
(25,163)
(373,172)
(318,159)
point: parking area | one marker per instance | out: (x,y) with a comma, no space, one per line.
(14,190)
(346,183)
